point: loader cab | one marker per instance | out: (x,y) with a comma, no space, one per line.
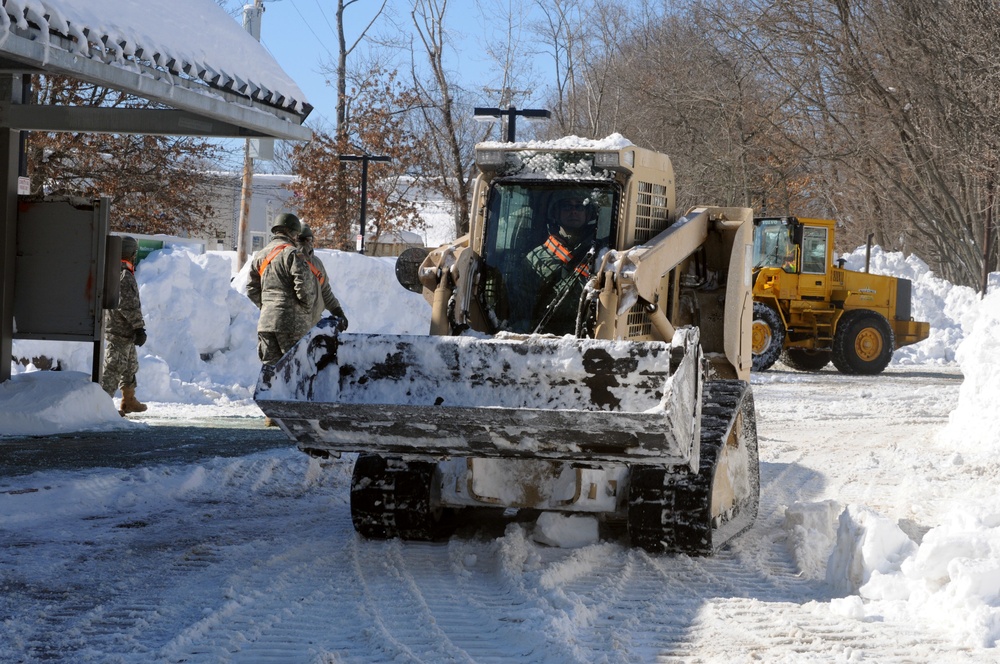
(542,241)
(796,246)
(776,243)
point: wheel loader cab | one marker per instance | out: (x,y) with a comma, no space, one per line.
(542,243)
(775,245)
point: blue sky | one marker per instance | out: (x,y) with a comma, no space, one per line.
(300,34)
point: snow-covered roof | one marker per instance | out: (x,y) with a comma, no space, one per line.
(169,51)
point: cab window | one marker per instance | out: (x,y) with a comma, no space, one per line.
(773,246)
(519,218)
(814,250)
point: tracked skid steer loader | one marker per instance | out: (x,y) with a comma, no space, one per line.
(589,353)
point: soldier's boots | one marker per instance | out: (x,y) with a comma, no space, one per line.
(129,403)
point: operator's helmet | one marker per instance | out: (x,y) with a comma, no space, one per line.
(288,222)
(130,247)
(568,196)
(306,233)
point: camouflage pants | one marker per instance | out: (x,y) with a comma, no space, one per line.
(272,345)
(121,363)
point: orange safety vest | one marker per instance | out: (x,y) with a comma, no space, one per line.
(555,246)
(128,266)
(270,257)
(315,271)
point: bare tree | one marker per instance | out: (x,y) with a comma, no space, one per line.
(325,185)
(559,30)
(156,183)
(450,155)
(906,93)
(507,46)
(343,51)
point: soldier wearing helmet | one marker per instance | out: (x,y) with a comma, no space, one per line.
(325,299)
(124,329)
(283,288)
(554,273)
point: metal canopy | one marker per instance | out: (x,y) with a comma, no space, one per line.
(193,100)
(225,112)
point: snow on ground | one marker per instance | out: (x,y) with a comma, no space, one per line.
(881,490)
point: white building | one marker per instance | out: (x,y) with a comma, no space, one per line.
(271,195)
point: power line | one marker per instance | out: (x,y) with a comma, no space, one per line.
(309,27)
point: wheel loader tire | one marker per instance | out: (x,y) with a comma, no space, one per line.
(676,511)
(804,359)
(395,498)
(863,343)
(768,336)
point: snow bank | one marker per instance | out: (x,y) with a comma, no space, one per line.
(952,574)
(203,329)
(974,426)
(952,579)
(48,402)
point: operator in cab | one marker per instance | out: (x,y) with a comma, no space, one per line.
(556,271)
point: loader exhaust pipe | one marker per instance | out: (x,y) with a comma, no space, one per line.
(868,252)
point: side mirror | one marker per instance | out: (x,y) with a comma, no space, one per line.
(797,231)
(408,267)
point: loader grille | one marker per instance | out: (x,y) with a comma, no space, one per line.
(652,211)
(639,325)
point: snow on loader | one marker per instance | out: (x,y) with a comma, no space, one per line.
(601,371)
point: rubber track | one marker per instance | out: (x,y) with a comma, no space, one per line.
(669,510)
(392,498)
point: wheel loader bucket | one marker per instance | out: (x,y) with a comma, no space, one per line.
(506,396)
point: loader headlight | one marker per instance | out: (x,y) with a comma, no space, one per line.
(606,159)
(614,160)
(490,159)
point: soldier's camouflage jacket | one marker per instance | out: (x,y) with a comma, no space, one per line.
(127,318)
(325,299)
(283,287)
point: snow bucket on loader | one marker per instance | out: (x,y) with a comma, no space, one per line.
(543,397)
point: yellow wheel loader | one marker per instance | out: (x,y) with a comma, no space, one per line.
(589,353)
(808,312)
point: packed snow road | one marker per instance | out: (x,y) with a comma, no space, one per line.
(254,559)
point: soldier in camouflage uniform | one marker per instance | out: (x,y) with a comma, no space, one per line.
(325,299)
(124,329)
(283,288)
(554,273)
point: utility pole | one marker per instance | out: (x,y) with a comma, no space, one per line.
(987,238)
(251,23)
(364,159)
(511,113)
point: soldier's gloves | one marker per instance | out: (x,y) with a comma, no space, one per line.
(140,336)
(336,320)
(338,323)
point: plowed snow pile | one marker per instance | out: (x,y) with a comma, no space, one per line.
(952,575)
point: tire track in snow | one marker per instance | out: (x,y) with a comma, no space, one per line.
(435,613)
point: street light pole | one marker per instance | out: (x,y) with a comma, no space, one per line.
(364,159)
(251,23)
(490,114)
